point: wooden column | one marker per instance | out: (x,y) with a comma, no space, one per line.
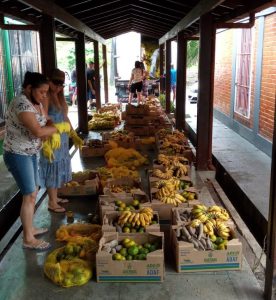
(105,74)
(161,61)
(168,76)
(181,81)
(271,230)
(47,44)
(97,75)
(81,83)
(205,93)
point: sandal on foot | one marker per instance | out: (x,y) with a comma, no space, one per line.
(40,231)
(61,200)
(57,210)
(42,246)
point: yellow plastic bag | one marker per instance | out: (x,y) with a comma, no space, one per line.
(79,232)
(65,269)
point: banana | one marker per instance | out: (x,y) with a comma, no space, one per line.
(131,217)
(195,223)
(142,220)
(136,218)
(214,208)
(146,217)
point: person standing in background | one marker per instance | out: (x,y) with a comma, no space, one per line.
(26,126)
(91,90)
(74,86)
(173,81)
(136,82)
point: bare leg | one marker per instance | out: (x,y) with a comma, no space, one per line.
(26,215)
(53,200)
(139,99)
(130,98)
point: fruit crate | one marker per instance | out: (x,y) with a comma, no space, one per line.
(189,259)
(151,269)
(108,202)
(110,218)
(141,109)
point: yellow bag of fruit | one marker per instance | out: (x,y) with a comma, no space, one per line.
(79,232)
(64,267)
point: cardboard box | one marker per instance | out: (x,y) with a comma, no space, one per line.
(112,216)
(87,151)
(149,270)
(142,109)
(189,259)
(126,142)
(107,202)
(123,181)
(91,187)
(137,120)
(140,145)
(164,210)
(141,130)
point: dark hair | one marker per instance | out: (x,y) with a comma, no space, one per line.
(91,62)
(137,64)
(34,79)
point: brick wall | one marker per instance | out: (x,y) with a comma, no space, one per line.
(223,71)
(223,76)
(267,104)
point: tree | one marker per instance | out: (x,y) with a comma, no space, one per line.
(192,53)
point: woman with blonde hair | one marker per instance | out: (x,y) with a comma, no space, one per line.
(54,171)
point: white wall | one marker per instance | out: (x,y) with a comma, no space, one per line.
(128,51)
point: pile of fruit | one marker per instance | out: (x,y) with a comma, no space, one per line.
(133,221)
(206,224)
(117,172)
(122,206)
(66,267)
(169,191)
(128,249)
(95,143)
(124,157)
(104,121)
(122,136)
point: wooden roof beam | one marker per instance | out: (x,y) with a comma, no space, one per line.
(249,24)
(200,9)
(60,14)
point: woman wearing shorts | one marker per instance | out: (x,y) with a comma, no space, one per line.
(26,126)
(136,82)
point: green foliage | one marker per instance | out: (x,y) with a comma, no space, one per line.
(162,99)
(192,53)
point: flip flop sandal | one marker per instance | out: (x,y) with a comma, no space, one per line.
(42,246)
(57,210)
(61,200)
(40,231)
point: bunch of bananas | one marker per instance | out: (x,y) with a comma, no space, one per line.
(50,145)
(143,217)
(163,160)
(215,228)
(203,213)
(173,198)
(166,187)
(63,127)
(72,183)
(179,169)
(78,142)
(101,124)
(164,175)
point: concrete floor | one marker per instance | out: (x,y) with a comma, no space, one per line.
(247,165)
